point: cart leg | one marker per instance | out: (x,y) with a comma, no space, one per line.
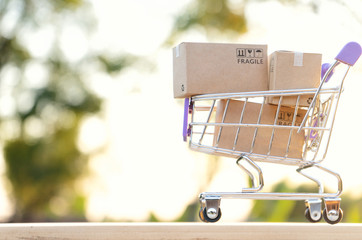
(251,163)
(336,175)
(300,171)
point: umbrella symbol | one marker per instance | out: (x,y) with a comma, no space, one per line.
(258,53)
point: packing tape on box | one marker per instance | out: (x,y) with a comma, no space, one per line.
(177,49)
(298,59)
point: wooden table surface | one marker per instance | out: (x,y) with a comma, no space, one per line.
(204,231)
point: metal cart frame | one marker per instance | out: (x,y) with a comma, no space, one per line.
(317,126)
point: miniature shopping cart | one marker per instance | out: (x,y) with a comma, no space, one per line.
(239,125)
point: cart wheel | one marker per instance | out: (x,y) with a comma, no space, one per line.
(309,217)
(205,218)
(201,215)
(331,218)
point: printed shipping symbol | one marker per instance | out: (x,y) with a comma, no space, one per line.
(241,52)
(258,53)
(250,53)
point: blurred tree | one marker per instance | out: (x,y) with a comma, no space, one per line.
(45,54)
(215,17)
(227,18)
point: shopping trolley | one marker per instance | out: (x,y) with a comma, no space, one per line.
(239,125)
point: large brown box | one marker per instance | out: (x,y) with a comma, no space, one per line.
(200,68)
(262,140)
(294,70)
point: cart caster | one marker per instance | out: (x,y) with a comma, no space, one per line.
(210,215)
(202,215)
(210,208)
(315,218)
(333,216)
(313,211)
(332,213)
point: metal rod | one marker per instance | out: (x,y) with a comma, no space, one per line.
(336,107)
(270,93)
(222,121)
(320,185)
(324,118)
(326,113)
(258,170)
(316,94)
(293,124)
(275,123)
(208,119)
(256,157)
(258,123)
(268,195)
(241,120)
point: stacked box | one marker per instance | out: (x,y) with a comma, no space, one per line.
(294,70)
(201,68)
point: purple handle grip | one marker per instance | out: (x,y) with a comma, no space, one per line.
(325,67)
(186,118)
(349,53)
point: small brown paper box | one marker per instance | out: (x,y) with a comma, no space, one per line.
(294,70)
(224,137)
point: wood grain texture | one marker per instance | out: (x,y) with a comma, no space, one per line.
(195,231)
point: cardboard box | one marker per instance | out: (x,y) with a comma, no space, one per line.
(294,70)
(200,68)
(262,140)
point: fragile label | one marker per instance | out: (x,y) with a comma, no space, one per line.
(249,55)
(286,118)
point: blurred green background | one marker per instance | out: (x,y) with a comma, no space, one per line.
(90,130)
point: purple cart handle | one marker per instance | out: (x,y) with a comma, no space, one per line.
(186,118)
(349,53)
